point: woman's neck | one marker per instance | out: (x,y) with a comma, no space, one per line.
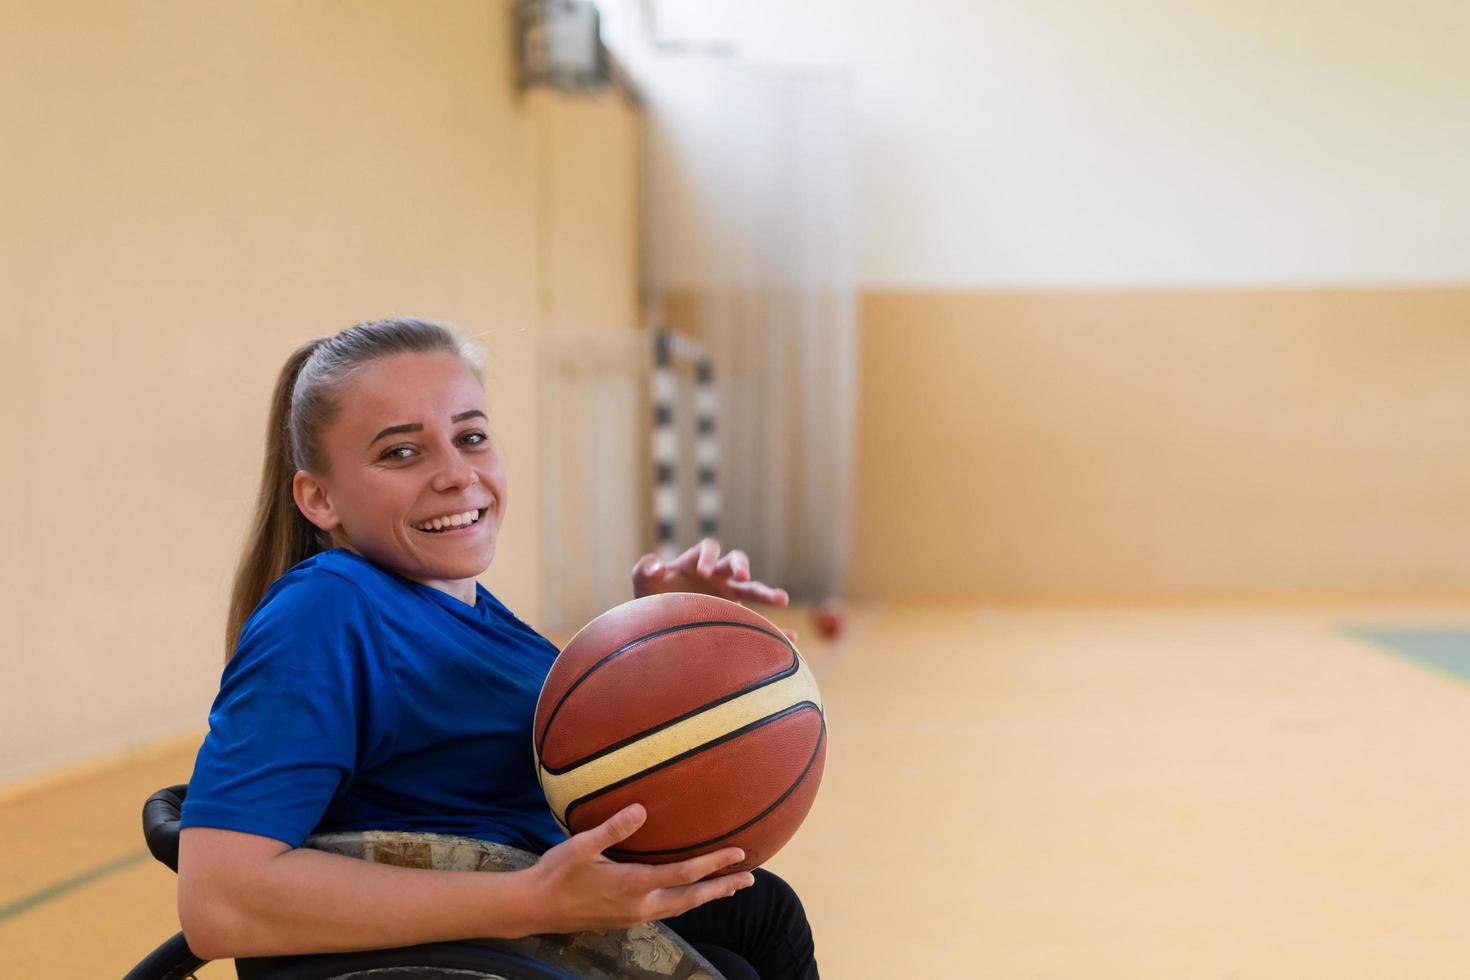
(465,589)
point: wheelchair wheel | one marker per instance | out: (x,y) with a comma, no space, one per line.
(447,960)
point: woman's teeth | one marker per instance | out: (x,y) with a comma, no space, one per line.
(453,520)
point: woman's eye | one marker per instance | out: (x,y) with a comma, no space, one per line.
(401,454)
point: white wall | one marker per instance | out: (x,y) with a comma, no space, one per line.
(1132,142)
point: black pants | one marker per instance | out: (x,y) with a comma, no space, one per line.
(759,933)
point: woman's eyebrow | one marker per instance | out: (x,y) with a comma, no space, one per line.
(393,430)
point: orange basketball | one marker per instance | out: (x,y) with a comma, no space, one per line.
(697,708)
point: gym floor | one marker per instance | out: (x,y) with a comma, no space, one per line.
(1015,792)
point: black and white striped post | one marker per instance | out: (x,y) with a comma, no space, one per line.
(668,347)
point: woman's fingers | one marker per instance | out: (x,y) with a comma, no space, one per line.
(759,592)
(735,566)
(648,570)
(681,898)
(701,569)
(699,560)
(692,870)
(709,556)
(614,830)
(584,890)
(687,560)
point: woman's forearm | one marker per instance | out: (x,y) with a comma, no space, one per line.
(246,895)
(305,901)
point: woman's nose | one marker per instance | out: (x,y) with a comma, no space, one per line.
(455,474)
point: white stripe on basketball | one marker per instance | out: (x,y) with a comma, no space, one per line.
(701,729)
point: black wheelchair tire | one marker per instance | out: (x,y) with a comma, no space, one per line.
(465,960)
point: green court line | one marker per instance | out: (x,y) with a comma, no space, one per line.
(1445,648)
(27,902)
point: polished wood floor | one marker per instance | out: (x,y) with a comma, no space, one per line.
(1013,793)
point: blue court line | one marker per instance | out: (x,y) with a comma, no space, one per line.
(27,902)
(1445,648)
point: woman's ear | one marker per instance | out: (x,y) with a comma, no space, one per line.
(313,502)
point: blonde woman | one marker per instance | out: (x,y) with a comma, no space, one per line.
(373,683)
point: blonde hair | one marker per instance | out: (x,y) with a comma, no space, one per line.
(305,402)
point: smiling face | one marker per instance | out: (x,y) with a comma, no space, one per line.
(414,482)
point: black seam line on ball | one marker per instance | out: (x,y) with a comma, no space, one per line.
(784,672)
(757,723)
(821,740)
(673,760)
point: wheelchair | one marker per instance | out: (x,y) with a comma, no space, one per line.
(649,951)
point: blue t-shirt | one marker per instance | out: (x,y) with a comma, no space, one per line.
(359,700)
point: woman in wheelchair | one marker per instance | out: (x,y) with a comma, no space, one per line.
(373,684)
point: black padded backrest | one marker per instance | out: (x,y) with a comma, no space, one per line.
(161,823)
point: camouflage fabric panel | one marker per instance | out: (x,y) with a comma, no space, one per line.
(438,852)
(645,952)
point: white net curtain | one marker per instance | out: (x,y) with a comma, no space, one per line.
(750,249)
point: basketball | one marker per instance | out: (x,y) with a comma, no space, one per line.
(693,706)
(830,619)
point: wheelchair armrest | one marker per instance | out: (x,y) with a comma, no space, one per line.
(161,823)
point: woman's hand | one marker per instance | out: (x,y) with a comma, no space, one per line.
(577,888)
(701,569)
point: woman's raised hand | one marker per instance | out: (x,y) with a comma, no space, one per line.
(576,888)
(701,569)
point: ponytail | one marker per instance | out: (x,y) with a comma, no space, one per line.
(280,536)
(305,402)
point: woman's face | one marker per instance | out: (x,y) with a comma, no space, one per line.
(411,449)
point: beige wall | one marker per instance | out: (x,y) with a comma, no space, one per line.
(1164,444)
(187,191)
(593,361)
(588,199)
